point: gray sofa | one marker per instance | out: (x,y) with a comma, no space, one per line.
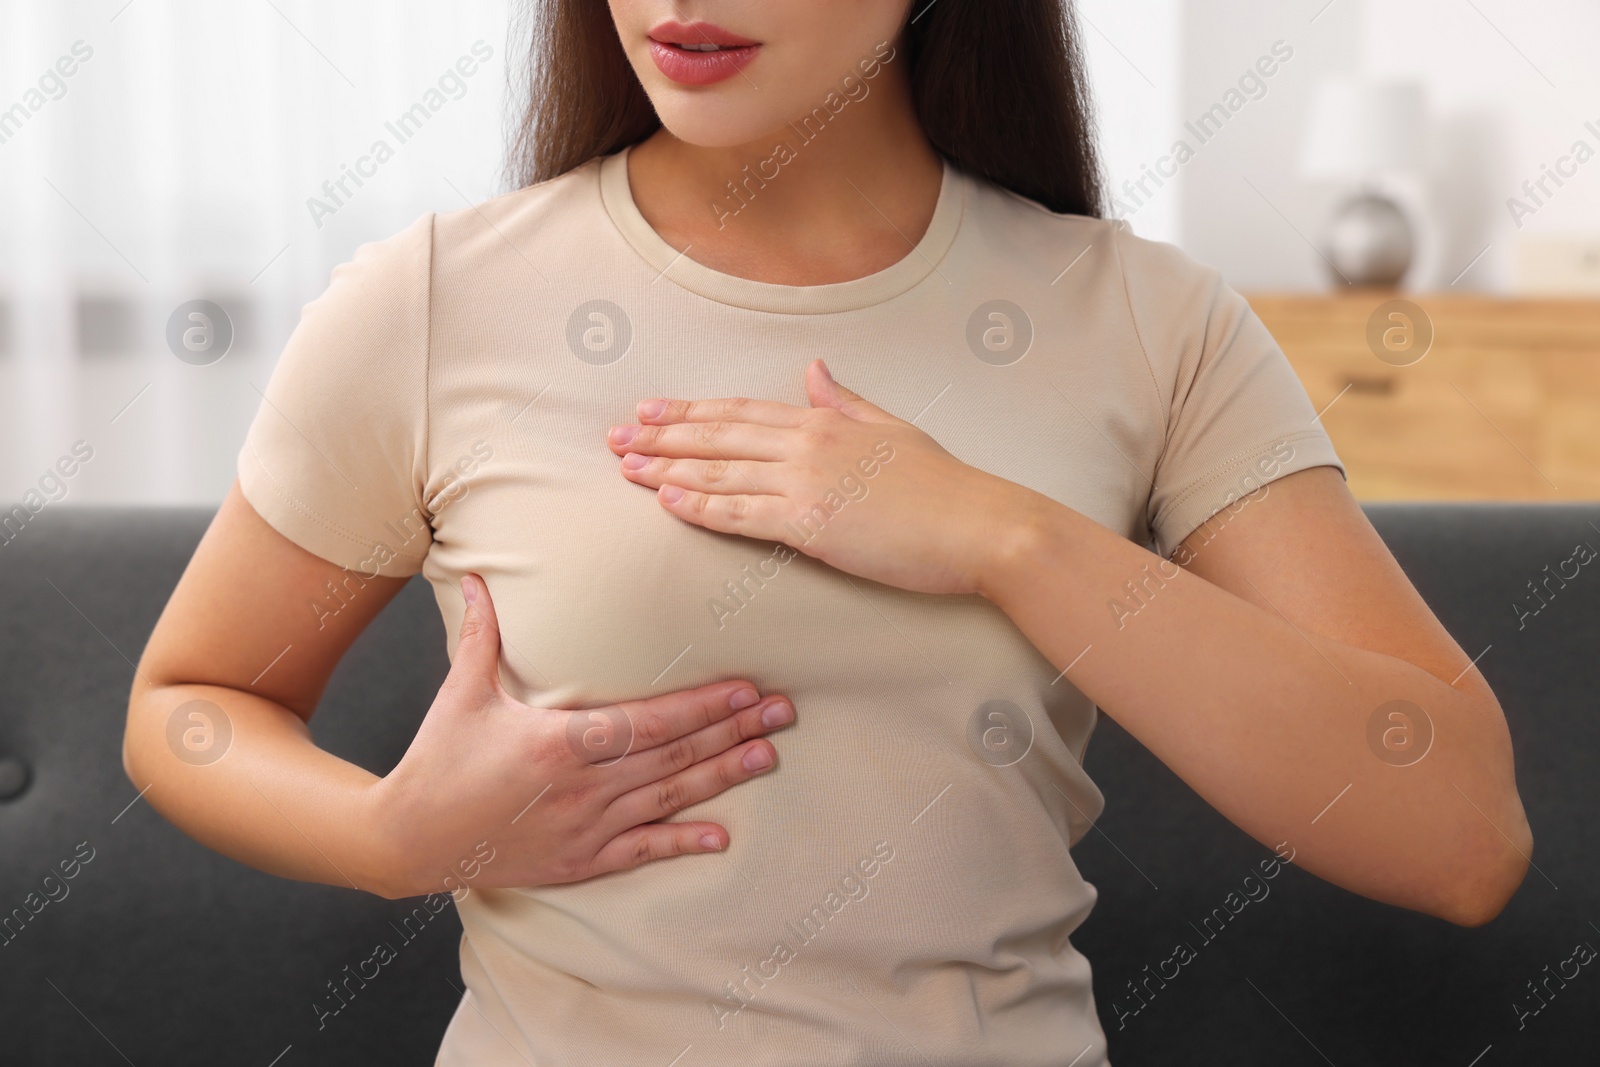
(153,950)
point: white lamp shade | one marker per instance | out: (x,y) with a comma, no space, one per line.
(1360,129)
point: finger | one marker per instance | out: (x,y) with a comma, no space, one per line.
(657,841)
(653,764)
(824,392)
(476,663)
(706,475)
(668,796)
(658,720)
(736,513)
(704,440)
(662,411)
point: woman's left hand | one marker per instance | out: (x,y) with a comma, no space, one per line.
(842,481)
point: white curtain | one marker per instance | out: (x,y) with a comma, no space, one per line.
(174,162)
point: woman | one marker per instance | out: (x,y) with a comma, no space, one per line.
(592,413)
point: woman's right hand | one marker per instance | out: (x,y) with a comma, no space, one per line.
(494,793)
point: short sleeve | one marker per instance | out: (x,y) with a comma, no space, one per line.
(336,457)
(1237,416)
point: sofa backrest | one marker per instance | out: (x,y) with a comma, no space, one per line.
(158,950)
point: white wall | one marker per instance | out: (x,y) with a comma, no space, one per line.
(1133,53)
(1245,209)
(1511,86)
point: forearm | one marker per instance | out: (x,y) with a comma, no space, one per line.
(1269,723)
(273,800)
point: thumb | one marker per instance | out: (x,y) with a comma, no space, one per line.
(477,658)
(824,392)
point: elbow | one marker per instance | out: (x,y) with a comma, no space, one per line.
(1492,843)
(127,742)
(1489,881)
(131,747)
(127,759)
(140,726)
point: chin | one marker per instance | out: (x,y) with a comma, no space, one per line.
(716,124)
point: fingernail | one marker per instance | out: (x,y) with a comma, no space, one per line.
(671,494)
(712,842)
(743,698)
(621,435)
(650,409)
(776,714)
(756,759)
(633,461)
(469,589)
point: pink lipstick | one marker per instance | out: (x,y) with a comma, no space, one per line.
(699,53)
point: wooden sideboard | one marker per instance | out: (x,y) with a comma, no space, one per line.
(1504,405)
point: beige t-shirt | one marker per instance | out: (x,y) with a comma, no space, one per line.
(899,889)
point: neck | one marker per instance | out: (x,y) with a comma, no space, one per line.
(830,197)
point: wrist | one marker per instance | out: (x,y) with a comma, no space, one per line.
(380,854)
(1018,545)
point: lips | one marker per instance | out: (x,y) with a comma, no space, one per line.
(699,53)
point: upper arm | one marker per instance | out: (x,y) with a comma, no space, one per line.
(1233,414)
(331,512)
(256,612)
(1249,493)
(1302,548)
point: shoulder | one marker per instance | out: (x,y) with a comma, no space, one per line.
(1171,297)
(1167,305)
(1029,235)
(1112,252)
(389,275)
(526,221)
(390,288)
(1184,313)
(379,293)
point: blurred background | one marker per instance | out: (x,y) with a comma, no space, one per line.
(1407,191)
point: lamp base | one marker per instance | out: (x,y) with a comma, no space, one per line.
(1369,242)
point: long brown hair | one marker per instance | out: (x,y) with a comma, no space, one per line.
(999,85)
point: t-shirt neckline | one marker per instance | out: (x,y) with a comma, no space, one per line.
(672,265)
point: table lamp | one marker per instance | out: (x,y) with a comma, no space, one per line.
(1358,132)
